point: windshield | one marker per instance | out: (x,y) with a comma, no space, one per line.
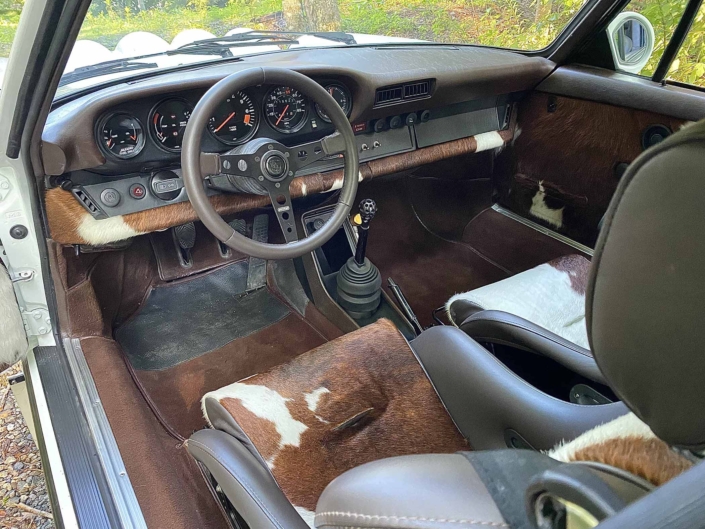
(121,37)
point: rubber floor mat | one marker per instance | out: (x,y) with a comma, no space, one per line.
(185,320)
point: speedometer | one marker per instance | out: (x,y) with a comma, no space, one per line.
(168,123)
(285,109)
(235,120)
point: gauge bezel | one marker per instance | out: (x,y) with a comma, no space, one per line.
(304,120)
(246,138)
(153,133)
(99,136)
(347,93)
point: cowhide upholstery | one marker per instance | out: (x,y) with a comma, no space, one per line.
(629,444)
(551,295)
(356,399)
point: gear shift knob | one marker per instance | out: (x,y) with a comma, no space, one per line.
(368,210)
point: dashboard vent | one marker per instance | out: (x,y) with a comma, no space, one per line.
(86,201)
(388,95)
(395,94)
(414,90)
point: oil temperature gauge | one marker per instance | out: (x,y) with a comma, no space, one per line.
(122,136)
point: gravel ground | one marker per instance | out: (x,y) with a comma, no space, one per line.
(24,501)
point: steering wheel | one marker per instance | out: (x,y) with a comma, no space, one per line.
(266,166)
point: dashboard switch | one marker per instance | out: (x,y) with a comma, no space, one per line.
(411,119)
(395,122)
(166,185)
(137,191)
(110,197)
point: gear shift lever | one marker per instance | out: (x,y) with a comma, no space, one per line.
(368,210)
(359,281)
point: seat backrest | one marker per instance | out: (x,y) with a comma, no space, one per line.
(646,294)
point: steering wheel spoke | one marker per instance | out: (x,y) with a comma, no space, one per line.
(281,202)
(307,153)
(230,163)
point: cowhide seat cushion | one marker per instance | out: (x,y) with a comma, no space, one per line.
(359,398)
(629,444)
(552,296)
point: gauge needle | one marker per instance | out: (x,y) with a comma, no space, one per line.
(282,115)
(231,116)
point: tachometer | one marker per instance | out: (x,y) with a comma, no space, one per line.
(285,109)
(122,135)
(235,120)
(341,95)
(168,123)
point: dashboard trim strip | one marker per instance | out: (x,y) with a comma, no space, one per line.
(70,223)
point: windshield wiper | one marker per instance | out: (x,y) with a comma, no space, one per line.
(222,45)
(105,68)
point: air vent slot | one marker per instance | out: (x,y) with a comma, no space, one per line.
(392,95)
(86,200)
(414,90)
(388,95)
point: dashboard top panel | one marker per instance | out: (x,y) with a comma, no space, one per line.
(458,73)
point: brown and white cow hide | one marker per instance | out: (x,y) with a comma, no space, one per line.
(629,444)
(551,295)
(359,398)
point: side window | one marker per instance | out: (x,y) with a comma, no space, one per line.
(9,18)
(689,64)
(640,35)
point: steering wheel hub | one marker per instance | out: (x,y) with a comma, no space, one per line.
(275,166)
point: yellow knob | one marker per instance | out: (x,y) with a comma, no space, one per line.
(357,220)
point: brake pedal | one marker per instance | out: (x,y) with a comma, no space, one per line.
(240,226)
(185,239)
(257,269)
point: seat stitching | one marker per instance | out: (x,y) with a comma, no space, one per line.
(528,329)
(410,518)
(244,484)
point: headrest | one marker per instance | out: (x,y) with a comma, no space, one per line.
(645,302)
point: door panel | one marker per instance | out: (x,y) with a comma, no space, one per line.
(568,156)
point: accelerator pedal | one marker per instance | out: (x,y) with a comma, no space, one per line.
(257,270)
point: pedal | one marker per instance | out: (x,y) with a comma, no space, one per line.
(240,226)
(184,240)
(257,269)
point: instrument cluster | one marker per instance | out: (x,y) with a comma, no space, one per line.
(237,119)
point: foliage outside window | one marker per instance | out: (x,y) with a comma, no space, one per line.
(689,65)
(9,18)
(522,24)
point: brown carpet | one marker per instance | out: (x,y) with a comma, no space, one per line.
(511,244)
(428,268)
(177,391)
(158,465)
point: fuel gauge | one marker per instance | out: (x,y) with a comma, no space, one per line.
(122,136)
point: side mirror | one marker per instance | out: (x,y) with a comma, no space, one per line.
(632,40)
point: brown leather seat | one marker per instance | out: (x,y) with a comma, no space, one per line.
(644,305)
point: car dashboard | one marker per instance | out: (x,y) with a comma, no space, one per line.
(116,153)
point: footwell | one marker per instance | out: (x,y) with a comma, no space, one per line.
(184,320)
